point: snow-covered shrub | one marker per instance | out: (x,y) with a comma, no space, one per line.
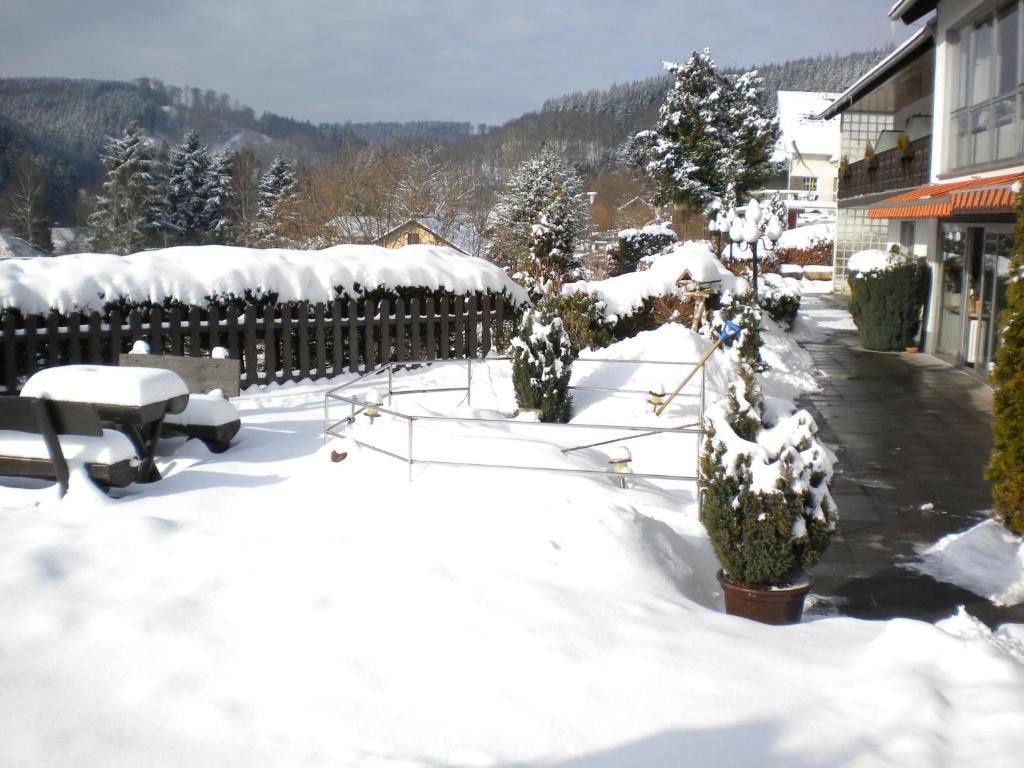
(780,297)
(542,356)
(887,293)
(765,480)
(634,244)
(583,318)
(741,310)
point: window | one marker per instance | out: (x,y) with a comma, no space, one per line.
(907,236)
(412,238)
(985,123)
(810,183)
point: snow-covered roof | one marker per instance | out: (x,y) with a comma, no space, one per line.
(802,131)
(12,247)
(194,274)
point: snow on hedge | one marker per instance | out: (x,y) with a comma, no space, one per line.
(197,274)
(802,238)
(873,260)
(625,294)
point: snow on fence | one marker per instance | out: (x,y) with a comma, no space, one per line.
(276,343)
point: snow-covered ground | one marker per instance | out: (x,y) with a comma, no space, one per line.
(986,559)
(268,606)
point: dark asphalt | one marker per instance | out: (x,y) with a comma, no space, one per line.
(908,431)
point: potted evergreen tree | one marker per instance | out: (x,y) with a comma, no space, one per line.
(766,502)
(542,356)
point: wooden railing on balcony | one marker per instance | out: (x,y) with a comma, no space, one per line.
(891,170)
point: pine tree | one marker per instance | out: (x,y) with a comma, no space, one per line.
(188,214)
(26,204)
(542,356)
(712,139)
(218,196)
(277,193)
(540,219)
(1005,468)
(125,218)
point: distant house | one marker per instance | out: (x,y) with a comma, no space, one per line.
(635,212)
(807,153)
(426,230)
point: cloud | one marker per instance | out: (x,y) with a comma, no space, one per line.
(473,60)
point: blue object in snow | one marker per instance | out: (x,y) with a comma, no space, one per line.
(731,331)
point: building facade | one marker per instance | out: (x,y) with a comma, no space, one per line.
(954,204)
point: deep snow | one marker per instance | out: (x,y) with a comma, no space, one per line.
(268,606)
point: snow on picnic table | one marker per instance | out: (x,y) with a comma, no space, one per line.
(267,606)
(195,274)
(106,384)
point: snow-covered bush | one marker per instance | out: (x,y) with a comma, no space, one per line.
(765,481)
(887,293)
(634,244)
(542,356)
(780,297)
(740,310)
(583,318)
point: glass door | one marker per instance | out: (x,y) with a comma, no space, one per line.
(953,239)
(995,269)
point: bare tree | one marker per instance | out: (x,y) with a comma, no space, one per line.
(26,204)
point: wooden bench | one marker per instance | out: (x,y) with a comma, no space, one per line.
(210,419)
(31,446)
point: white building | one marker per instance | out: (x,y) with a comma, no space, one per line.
(960,215)
(808,154)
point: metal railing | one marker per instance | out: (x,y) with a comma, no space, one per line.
(335,427)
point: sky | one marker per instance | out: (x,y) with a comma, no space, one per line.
(368,60)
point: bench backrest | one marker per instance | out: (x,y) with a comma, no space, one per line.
(34,414)
(200,374)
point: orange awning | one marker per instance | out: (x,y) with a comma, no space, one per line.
(992,194)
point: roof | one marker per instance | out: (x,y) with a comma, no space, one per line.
(909,11)
(800,125)
(990,194)
(636,199)
(462,236)
(920,42)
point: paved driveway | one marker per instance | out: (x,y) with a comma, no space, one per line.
(912,435)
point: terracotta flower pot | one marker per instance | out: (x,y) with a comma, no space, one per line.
(912,350)
(768,606)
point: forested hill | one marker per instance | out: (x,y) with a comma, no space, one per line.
(65,122)
(814,73)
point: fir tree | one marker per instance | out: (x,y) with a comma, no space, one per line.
(540,219)
(218,196)
(276,193)
(542,356)
(1005,468)
(126,214)
(188,210)
(713,138)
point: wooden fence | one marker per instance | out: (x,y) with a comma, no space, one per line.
(281,342)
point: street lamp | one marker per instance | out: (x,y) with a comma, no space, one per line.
(751,232)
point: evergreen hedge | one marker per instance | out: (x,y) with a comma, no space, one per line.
(886,304)
(1005,468)
(542,356)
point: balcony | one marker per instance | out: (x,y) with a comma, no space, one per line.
(892,170)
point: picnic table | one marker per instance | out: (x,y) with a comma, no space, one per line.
(131,400)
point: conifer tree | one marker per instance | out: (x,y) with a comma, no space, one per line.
(542,356)
(1006,466)
(218,196)
(187,212)
(540,219)
(276,194)
(125,218)
(712,139)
